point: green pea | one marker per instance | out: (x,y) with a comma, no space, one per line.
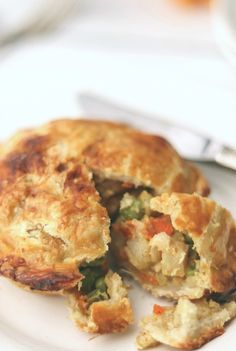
(134,211)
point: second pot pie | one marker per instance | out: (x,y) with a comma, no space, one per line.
(59,186)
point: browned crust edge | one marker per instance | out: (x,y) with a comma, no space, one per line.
(49,279)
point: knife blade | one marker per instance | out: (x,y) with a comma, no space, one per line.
(191,145)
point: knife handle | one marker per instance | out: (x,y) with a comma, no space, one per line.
(226,157)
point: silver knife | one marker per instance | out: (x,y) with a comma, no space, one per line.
(189,144)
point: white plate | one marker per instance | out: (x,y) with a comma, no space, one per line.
(30,322)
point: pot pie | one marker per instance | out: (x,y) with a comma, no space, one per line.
(56,184)
(65,184)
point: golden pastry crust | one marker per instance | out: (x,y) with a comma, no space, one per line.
(144,160)
(190,214)
(188,325)
(116,151)
(50,212)
(110,316)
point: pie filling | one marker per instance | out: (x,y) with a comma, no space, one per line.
(112,192)
(93,286)
(146,245)
(146,240)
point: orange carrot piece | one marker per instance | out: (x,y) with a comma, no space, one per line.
(158,225)
(148,278)
(157,309)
